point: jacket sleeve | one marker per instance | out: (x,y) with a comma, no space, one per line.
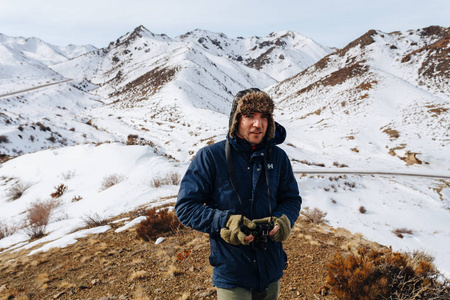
(194,207)
(288,197)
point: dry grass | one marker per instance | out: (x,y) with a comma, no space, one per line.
(111,180)
(94,220)
(171,178)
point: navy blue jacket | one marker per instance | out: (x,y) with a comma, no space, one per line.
(206,199)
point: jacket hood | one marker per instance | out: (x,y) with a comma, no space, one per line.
(251,100)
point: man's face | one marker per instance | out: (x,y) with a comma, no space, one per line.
(253,127)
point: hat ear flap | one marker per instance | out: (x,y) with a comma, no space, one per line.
(270,134)
(234,124)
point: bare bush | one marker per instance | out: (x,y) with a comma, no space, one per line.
(76,198)
(6,230)
(383,274)
(315,216)
(111,180)
(60,190)
(17,190)
(38,216)
(401,231)
(94,220)
(171,178)
(158,222)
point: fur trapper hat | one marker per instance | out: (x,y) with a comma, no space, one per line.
(248,101)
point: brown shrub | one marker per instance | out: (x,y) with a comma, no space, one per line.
(362,209)
(401,231)
(60,190)
(76,198)
(38,216)
(315,216)
(383,274)
(158,223)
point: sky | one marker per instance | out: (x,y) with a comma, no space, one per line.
(329,22)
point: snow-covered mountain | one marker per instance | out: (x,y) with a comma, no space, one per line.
(384,97)
(381,103)
(24,61)
(147,80)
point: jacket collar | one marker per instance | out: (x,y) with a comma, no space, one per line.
(245,149)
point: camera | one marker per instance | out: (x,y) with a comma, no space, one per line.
(260,233)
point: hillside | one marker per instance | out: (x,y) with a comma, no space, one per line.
(118,265)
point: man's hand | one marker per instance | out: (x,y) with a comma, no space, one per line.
(232,233)
(281,229)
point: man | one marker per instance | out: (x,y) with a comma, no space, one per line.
(244,182)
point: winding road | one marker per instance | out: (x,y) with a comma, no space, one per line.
(339,172)
(34,88)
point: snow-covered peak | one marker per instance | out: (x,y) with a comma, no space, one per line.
(140,33)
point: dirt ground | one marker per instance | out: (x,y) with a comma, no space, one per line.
(120,266)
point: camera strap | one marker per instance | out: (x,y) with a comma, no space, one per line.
(231,169)
(232,174)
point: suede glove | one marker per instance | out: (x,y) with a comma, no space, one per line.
(232,233)
(284,227)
